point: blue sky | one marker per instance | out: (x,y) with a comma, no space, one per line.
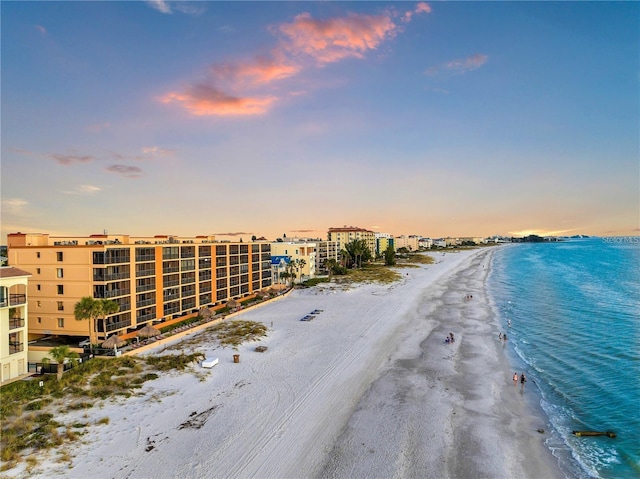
(264,118)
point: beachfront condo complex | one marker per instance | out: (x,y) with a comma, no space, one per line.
(152,279)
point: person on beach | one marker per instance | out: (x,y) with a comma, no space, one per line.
(515,378)
(523,380)
(500,336)
(451,337)
(504,337)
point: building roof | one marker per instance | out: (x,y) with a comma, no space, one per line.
(10,272)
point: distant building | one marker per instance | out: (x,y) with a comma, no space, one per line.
(13,323)
(346,234)
(299,250)
(425,243)
(384,241)
(410,242)
(151,278)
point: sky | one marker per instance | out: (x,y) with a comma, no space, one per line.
(238,119)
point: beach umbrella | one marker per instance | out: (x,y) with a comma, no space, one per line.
(113,342)
(148,331)
(206,313)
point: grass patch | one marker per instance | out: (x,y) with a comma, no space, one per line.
(173,361)
(234,333)
(370,273)
(313,282)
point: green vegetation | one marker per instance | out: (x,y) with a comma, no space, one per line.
(92,309)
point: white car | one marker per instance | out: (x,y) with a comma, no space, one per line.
(85,343)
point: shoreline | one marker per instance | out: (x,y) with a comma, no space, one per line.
(368,388)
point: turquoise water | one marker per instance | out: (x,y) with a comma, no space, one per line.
(575,332)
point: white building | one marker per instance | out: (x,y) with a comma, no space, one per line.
(13,323)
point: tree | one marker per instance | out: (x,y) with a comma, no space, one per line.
(356,251)
(299,265)
(390,256)
(59,354)
(93,309)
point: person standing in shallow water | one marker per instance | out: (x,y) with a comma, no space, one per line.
(515,378)
(523,380)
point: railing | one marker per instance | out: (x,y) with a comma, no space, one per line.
(145,287)
(16,299)
(115,276)
(167,284)
(16,347)
(117,292)
(118,325)
(145,302)
(16,323)
(170,269)
(145,317)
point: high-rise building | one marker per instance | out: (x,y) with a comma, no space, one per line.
(151,278)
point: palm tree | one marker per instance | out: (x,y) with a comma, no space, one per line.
(300,264)
(92,309)
(59,354)
(330,264)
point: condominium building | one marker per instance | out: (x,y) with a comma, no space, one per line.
(303,252)
(384,241)
(410,242)
(325,250)
(13,324)
(347,234)
(151,278)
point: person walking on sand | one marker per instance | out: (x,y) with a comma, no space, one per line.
(515,378)
(523,380)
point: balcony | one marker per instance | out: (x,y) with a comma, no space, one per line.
(15,347)
(117,292)
(16,323)
(170,269)
(118,325)
(146,317)
(145,302)
(17,299)
(115,276)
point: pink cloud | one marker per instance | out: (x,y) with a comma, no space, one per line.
(207,100)
(325,41)
(422,7)
(262,70)
(334,39)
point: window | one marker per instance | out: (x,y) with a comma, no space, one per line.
(60,305)
(59,273)
(39,320)
(61,322)
(39,303)
(37,270)
(38,254)
(60,289)
(38,287)
(59,255)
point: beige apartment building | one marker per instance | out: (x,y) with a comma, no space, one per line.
(13,324)
(346,234)
(298,250)
(151,278)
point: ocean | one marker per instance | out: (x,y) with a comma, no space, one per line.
(574,308)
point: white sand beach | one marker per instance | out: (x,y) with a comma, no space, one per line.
(367,389)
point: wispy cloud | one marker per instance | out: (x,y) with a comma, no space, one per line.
(41,29)
(83,190)
(235,233)
(67,160)
(235,88)
(124,170)
(13,205)
(190,8)
(157,151)
(460,66)
(160,5)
